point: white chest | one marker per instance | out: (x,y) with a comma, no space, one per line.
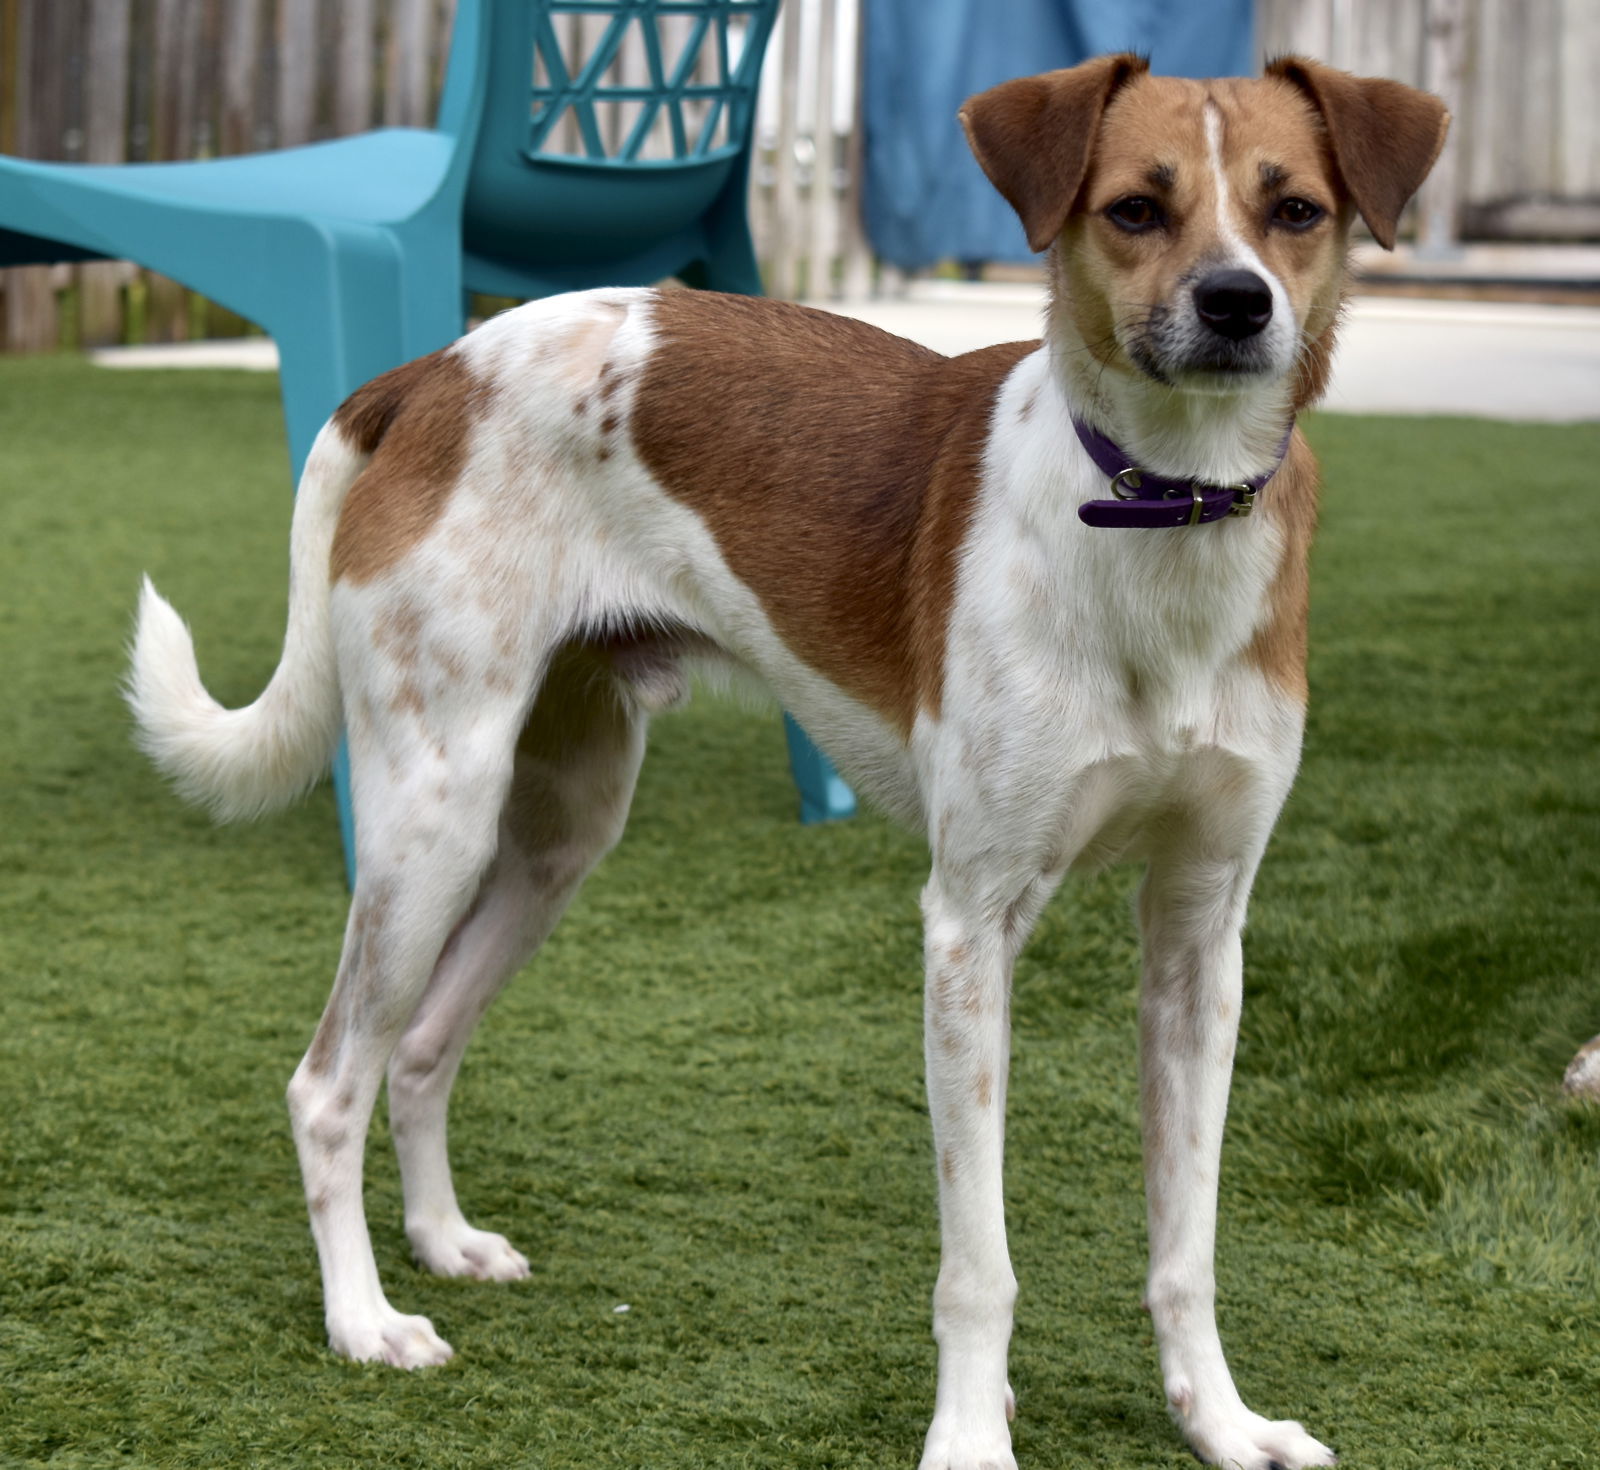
(1099,680)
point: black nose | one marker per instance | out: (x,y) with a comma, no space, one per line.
(1234,304)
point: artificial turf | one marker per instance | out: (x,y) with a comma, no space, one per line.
(704,1101)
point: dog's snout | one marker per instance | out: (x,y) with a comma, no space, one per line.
(1235,304)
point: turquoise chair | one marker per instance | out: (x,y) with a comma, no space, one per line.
(357,254)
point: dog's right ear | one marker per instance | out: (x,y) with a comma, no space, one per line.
(1033,137)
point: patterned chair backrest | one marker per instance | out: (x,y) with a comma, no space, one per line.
(649,83)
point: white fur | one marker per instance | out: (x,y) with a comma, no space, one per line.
(1096,707)
(242,763)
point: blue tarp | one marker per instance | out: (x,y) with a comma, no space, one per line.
(926,199)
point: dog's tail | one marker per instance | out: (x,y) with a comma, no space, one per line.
(244,762)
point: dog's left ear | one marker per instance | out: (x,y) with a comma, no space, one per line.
(1385,136)
(1033,137)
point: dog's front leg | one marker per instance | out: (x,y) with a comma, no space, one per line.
(971,940)
(1191,910)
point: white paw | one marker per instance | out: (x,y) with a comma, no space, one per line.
(390,1337)
(459,1250)
(964,1446)
(1246,1441)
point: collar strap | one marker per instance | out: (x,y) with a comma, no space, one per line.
(1145,500)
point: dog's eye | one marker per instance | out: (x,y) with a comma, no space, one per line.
(1135,214)
(1296,213)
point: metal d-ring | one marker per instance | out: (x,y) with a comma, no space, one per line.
(1125,482)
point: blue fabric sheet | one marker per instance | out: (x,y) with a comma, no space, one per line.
(925,198)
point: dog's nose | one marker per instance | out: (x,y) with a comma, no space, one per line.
(1234,304)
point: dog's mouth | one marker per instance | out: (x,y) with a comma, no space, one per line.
(1188,357)
(1222,331)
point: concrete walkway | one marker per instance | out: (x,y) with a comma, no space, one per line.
(1396,355)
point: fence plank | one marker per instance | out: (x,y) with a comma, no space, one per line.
(823,201)
(32,317)
(9,21)
(176,48)
(241,64)
(100,312)
(405,102)
(1438,214)
(353,86)
(783,263)
(297,71)
(1578,171)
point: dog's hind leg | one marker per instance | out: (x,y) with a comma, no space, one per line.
(1191,911)
(577,759)
(426,833)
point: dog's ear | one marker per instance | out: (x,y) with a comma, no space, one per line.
(1033,137)
(1385,136)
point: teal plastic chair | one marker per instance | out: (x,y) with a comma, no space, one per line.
(356,255)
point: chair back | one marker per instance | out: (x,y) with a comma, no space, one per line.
(601,125)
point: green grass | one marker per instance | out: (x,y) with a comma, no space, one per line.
(705,1099)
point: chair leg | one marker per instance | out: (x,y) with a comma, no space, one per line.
(347,815)
(824,796)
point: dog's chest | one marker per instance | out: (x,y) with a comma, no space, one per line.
(1099,679)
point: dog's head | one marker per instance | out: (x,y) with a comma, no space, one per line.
(1202,226)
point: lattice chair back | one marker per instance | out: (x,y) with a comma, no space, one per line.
(611,123)
(646,81)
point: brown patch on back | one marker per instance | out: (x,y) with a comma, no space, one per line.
(836,466)
(1278,649)
(414,421)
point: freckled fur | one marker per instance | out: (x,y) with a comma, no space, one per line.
(506,555)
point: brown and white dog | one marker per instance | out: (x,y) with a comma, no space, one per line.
(505,554)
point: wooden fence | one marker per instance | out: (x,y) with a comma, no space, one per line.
(107,81)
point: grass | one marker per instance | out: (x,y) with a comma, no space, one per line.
(705,1100)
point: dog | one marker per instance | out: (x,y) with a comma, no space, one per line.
(1045,602)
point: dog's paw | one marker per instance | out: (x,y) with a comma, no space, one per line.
(390,1337)
(1246,1441)
(459,1250)
(956,1446)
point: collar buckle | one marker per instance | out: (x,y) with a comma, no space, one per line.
(1244,502)
(1125,483)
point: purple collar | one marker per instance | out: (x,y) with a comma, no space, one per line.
(1161,501)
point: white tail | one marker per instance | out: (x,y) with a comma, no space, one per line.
(244,762)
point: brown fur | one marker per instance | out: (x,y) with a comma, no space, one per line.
(1275,145)
(414,422)
(865,451)
(1033,137)
(1278,649)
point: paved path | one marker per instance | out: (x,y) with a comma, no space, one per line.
(1396,355)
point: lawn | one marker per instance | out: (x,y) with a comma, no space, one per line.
(705,1100)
